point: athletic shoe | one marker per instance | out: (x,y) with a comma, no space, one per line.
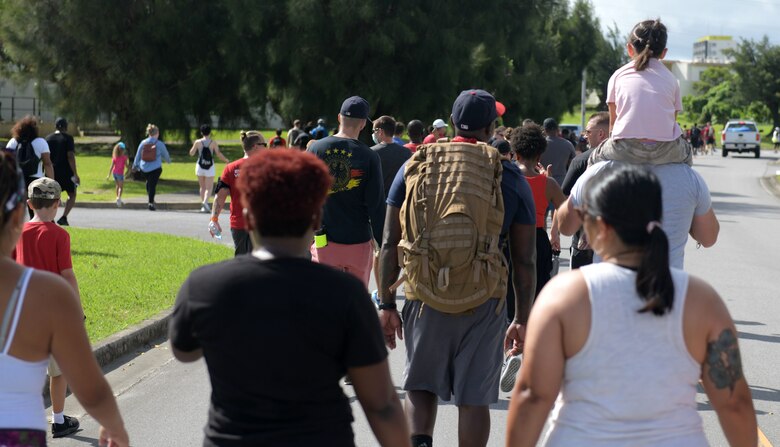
(206,207)
(63,222)
(203,209)
(119,203)
(71,425)
(152,207)
(375,297)
(509,372)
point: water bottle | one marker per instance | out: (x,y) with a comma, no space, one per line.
(215,231)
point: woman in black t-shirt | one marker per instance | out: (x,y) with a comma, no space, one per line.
(278,331)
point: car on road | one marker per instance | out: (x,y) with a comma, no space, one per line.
(740,136)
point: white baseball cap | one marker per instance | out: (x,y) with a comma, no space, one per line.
(439,123)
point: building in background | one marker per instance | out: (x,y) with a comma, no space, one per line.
(711,49)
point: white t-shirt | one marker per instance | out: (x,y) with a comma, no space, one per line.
(684,194)
(40,146)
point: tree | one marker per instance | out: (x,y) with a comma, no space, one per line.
(610,55)
(757,65)
(137,61)
(176,61)
(716,98)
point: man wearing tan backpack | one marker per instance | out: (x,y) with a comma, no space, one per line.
(450,214)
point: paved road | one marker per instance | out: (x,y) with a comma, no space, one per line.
(165,402)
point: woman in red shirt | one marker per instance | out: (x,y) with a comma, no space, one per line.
(529,143)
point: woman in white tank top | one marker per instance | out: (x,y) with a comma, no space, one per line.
(204,166)
(40,315)
(626,341)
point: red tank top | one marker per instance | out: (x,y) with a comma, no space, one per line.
(538,188)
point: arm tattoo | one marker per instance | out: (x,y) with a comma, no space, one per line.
(723,360)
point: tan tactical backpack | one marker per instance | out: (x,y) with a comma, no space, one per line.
(450,226)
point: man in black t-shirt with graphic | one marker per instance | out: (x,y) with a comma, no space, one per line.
(354,212)
(63,157)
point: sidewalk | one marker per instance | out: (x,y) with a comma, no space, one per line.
(174,201)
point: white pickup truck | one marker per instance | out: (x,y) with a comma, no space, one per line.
(740,136)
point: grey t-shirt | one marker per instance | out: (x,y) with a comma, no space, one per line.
(684,194)
(559,153)
(392,156)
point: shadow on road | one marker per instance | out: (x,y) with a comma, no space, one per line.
(768,338)
(746,209)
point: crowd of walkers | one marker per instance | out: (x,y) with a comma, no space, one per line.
(458,221)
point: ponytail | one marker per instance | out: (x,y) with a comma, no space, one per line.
(654,280)
(649,40)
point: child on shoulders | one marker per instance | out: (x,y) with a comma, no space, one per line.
(644,99)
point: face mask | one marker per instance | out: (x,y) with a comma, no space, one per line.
(375,138)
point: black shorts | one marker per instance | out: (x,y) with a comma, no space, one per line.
(66,183)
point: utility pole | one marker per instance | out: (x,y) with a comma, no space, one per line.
(583,97)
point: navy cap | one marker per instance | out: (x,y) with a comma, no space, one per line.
(474,110)
(60,123)
(550,124)
(354,107)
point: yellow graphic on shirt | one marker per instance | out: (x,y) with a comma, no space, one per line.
(344,177)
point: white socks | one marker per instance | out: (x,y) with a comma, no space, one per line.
(58,418)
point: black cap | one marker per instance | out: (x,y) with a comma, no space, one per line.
(550,124)
(61,123)
(502,146)
(354,107)
(474,109)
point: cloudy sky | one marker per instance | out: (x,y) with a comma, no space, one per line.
(688,20)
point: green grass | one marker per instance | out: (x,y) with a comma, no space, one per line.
(125,277)
(177,177)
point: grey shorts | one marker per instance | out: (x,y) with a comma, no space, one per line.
(54,369)
(457,357)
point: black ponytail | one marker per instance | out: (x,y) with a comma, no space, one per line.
(654,280)
(628,198)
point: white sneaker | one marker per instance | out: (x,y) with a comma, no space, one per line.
(119,203)
(206,207)
(509,372)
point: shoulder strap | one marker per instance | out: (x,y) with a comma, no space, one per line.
(14,307)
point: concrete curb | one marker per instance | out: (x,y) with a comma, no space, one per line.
(770,185)
(177,206)
(134,337)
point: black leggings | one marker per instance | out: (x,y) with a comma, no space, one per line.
(152,177)
(543,259)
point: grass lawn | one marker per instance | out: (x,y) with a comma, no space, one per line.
(177,177)
(125,277)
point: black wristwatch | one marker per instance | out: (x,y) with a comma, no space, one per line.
(387,306)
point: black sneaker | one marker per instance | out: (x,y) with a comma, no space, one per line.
(63,222)
(71,425)
(152,207)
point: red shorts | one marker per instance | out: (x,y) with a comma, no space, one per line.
(352,258)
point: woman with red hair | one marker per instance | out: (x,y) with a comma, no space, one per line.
(262,321)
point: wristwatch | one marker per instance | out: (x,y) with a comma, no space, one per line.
(387,306)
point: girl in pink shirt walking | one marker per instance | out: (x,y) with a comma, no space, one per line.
(117,169)
(644,98)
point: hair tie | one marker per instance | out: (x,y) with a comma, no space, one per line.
(653,225)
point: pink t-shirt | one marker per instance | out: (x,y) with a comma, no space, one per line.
(645,102)
(119,164)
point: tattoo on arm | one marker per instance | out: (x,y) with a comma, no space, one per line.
(723,360)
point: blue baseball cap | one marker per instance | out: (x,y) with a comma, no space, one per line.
(474,109)
(354,107)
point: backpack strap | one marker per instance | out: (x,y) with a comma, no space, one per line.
(13,310)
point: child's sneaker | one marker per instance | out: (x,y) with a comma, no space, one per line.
(509,372)
(375,297)
(71,425)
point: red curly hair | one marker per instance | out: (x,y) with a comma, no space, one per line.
(283,189)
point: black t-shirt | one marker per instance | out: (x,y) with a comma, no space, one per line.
(59,146)
(392,156)
(277,336)
(355,207)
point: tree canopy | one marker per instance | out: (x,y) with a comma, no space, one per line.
(174,61)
